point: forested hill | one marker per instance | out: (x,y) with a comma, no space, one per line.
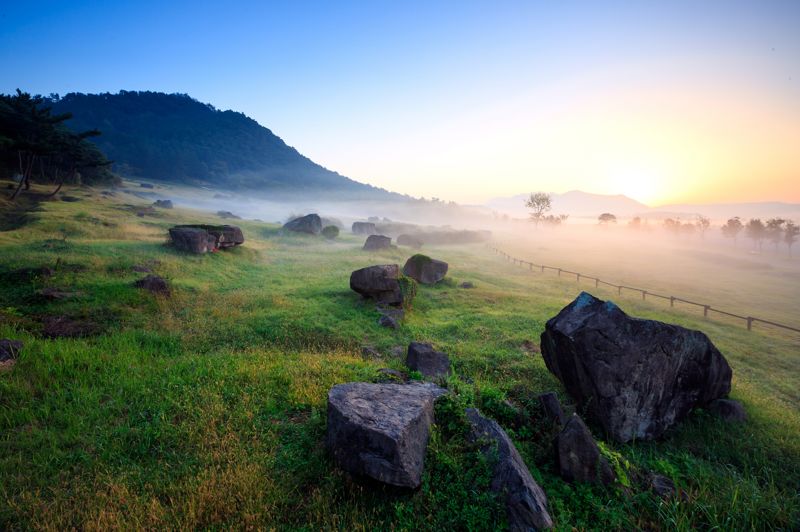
(172,137)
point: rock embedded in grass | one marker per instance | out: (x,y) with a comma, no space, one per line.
(153,283)
(381,430)
(635,377)
(66,327)
(728,409)
(388,322)
(525,500)
(578,456)
(552,408)
(467,285)
(431,363)
(424,269)
(379,282)
(9,349)
(310,224)
(377,243)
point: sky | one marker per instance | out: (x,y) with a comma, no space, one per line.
(665,102)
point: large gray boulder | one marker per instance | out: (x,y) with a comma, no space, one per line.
(635,377)
(378,282)
(310,223)
(377,242)
(203,238)
(381,430)
(579,459)
(431,363)
(424,269)
(364,228)
(525,500)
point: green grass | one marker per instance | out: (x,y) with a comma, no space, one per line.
(207,409)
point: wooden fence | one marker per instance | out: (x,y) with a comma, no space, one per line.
(750,320)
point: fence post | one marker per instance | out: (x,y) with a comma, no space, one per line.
(559,272)
(619,290)
(578,277)
(597,283)
(749,323)
(644,293)
(543,268)
(530,264)
(705,311)
(671,301)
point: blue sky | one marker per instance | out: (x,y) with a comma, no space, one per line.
(460,100)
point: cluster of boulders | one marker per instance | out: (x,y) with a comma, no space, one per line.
(633,378)
(205,238)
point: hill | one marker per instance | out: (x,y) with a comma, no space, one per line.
(175,138)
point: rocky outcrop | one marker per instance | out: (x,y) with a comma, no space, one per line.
(364,228)
(579,459)
(525,501)
(205,238)
(424,269)
(377,242)
(310,223)
(431,363)
(378,282)
(635,377)
(381,430)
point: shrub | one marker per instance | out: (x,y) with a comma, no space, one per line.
(330,232)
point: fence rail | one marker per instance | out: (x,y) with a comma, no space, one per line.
(750,320)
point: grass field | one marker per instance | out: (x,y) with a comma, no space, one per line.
(207,409)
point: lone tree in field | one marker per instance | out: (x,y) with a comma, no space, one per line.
(539,203)
(790,232)
(607,218)
(756,231)
(702,224)
(732,228)
(774,231)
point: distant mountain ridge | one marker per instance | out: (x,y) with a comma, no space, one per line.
(579,204)
(175,138)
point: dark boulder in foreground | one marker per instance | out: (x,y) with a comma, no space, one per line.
(9,349)
(424,269)
(525,500)
(381,430)
(364,228)
(310,223)
(579,459)
(635,377)
(205,238)
(728,409)
(423,358)
(377,242)
(379,283)
(154,284)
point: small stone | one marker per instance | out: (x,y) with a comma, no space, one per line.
(662,486)
(579,458)
(154,284)
(389,322)
(9,349)
(467,284)
(423,358)
(552,408)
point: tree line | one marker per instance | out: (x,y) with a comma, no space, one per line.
(36,145)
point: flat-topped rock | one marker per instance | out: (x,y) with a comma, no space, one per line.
(636,378)
(379,282)
(424,269)
(310,223)
(381,430)
(377,242)
(525,500)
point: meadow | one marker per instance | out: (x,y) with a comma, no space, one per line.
(207,409)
